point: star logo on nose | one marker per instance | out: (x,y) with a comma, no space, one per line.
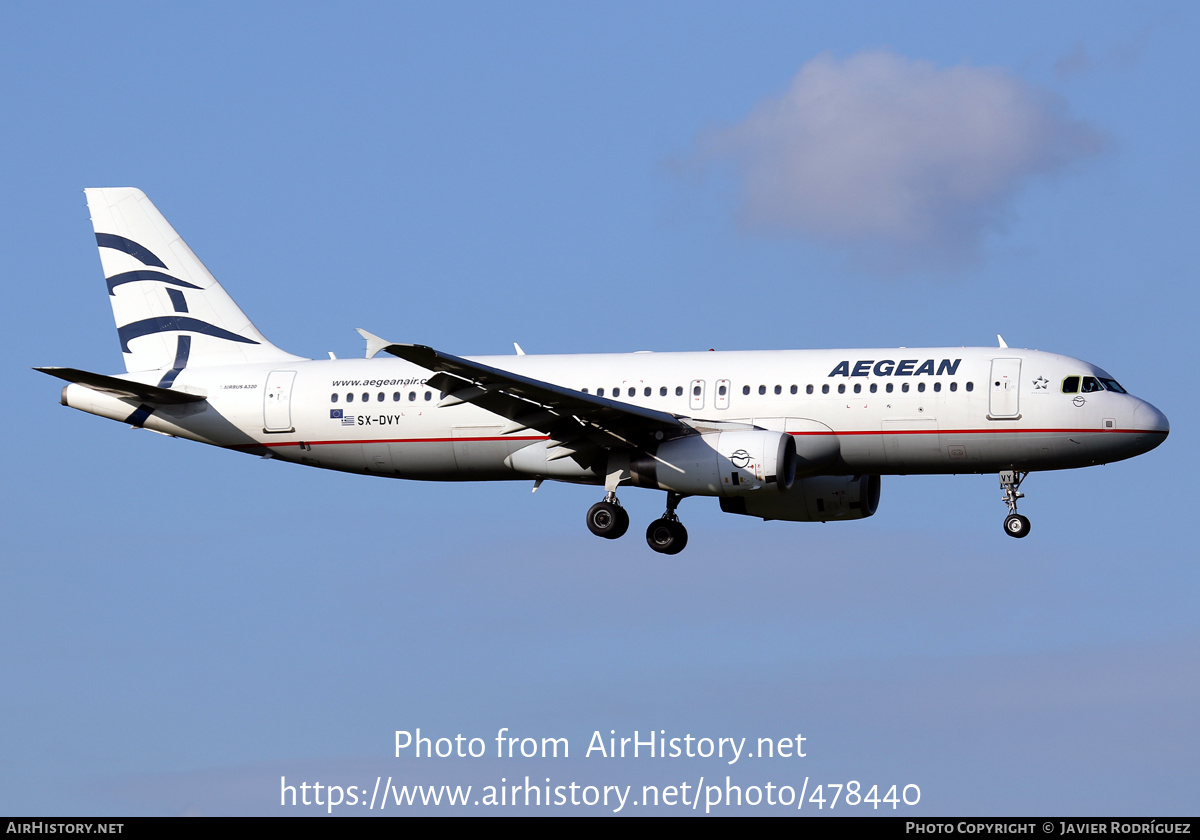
(1040,383)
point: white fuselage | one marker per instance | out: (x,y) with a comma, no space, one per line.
(888,411)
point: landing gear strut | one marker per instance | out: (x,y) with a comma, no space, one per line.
(607,518)
(667,535)
(1015,525)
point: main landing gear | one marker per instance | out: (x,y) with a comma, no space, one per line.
(1015,525)
(666,535)
(607,518)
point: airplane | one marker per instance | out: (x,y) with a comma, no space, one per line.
(797,435)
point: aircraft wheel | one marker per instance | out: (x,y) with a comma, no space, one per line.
(1016,525)
(622,523)
(608,520)
(667,536)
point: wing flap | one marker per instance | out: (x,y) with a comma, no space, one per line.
(562,413)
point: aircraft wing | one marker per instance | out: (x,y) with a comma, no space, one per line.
(123,387)
(574,420)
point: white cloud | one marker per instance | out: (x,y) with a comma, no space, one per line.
(903,163)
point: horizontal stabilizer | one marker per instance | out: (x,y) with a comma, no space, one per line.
(123,387)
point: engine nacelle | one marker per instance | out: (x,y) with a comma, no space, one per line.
(729,463)
(818,499)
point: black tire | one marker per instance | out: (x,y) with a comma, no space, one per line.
(680,539)
(604,519)
(666,536)
(1016,525)
(622,523)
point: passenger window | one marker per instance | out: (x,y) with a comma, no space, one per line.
(858,387)
(366,397)
(721,391)
(921,387)
(679,390)
(953,386)
(904,387)
(599,392)
(778,389)
(841,389)
(647,392)
(428,396)
(349,398)
(380,397)
(889,387)
(662,392)
(874,387)
(396,397)
(745,390)
(584,390)
(937,386)
(762,389)
(794,389)
(412,396)
(1071,385)
(696,391)
(632,392)
(970,386)
(808,390)
(333,397)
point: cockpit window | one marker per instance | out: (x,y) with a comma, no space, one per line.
(1091,384)
(1071,385)
(1111,384)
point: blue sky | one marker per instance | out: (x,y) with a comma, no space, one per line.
(182,626)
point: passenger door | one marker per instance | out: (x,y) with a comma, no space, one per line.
(1004,403)
(277,402)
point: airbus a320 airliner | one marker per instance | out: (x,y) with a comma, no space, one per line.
(799,435)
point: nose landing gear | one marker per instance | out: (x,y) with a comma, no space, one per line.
(1015,525)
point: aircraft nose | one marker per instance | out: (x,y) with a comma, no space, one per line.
(1152,426)
(1148,418)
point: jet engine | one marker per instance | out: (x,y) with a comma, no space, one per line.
(817,499)
(729,463)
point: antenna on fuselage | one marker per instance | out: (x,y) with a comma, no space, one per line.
(1000,338)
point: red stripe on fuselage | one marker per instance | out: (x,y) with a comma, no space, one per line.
(995,431)
(1000,431)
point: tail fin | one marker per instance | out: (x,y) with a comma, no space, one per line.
(170,311)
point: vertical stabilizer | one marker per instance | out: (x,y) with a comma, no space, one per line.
(170,312)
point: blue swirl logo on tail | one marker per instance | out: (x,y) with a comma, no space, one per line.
(169,323)
(173,322)
(132,276)
(139,252)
